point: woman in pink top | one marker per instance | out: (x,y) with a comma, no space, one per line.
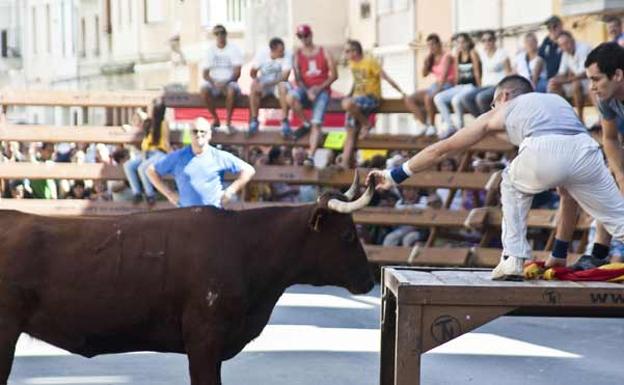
(442,66)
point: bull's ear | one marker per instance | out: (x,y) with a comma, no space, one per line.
(316,218)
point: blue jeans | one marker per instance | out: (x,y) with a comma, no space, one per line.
(318,106)
(135,170)
(478,100)
(454,97)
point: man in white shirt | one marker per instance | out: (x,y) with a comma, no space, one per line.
(571,80)
(270,71)
(222,68)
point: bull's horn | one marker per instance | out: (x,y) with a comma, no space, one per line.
(350,193)
(349,207)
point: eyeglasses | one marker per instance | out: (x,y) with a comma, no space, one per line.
(197,132)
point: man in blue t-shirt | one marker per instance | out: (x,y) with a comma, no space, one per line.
(198,170)
(605,70)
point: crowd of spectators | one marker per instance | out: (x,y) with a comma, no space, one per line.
(464,77)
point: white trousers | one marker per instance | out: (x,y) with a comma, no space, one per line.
(571,161)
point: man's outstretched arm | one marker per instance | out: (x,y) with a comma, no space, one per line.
(466,137)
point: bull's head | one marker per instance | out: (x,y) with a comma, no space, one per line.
(340,257)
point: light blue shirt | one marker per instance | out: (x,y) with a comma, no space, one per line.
(199,178)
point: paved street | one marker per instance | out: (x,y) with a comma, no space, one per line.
(327,336)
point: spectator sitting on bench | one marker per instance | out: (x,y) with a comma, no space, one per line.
(222,68)
(571,80)
(270,71)
(364,98)
(315,71)
(154,147)
(79,191)
(442,66)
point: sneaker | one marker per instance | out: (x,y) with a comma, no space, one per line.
(419,130)
(447,132)
(151,201)
(308,162)
(302,131)
(137,198)
(254,126)
(285,129)
(229,129)
(430,130)
(215,126)
(588,262)
(509,269)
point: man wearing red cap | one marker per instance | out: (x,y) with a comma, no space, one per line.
(315,71)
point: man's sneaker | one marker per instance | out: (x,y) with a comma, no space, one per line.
(419,130)
(431,130)
(308,162)
(229,129)
(254,126)
(302,131)
(509,269)
(588,262)
(285,129)
(215,126)
(447,133)
(151,201)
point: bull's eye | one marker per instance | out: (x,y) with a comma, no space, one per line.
(349,236)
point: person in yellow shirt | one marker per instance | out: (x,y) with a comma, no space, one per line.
(364,98)
(154,146)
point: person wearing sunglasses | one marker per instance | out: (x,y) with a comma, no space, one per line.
(555,151)
(222,69)
(198,171)
(315,71)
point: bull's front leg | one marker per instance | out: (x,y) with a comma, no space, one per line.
(204,365)
(9,333)
(203,347)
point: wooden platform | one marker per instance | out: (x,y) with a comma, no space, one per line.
(424,308)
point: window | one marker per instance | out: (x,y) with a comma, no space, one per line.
(119,13)
(365,10)
(388,6)
(82,50)
(4,43)
(96,51)
(236,11)
(34,29)
(48,22)
(130,11)
(154,11)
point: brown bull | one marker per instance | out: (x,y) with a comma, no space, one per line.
(199,281)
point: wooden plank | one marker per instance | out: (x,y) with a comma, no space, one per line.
(422,256)
(428,217)
(289,174)
(194,100)
(129,99)
(538,218)
(74,134)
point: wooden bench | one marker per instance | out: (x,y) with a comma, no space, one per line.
(125,135)
(424,308)
(194,100)
(63,98)
(289,174)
